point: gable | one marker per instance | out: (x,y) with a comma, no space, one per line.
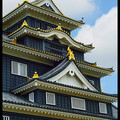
(72,76)
(48,4)
(67,79)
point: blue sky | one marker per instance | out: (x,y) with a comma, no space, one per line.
(100,17)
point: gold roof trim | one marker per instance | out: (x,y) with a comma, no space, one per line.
(52,2)
(35,75)
(25,1)
(46,10)
(46,31)
(56,55)
(59,27)
(24,23)
(70,53)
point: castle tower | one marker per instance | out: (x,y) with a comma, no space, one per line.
(44,73)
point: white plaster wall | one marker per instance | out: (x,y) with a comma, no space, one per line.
(71,80)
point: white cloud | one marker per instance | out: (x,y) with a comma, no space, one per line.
(70,8)
(73,8)
(9,5)
(103,35)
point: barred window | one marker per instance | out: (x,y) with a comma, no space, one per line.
(78,103)
(5,117)
(50,98)
(31,97)
(18,68)
(103,108)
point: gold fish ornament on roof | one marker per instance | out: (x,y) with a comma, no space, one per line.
(70,54)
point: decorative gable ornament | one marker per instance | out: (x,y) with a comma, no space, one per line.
(71,72)
(47,4)
(24,23)
(59,27)
(35,75)
(70,54)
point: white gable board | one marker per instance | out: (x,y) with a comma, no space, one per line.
(71,80)
(73,77)
(49,2)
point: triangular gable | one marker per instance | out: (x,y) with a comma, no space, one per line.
(72,76)
(48,4)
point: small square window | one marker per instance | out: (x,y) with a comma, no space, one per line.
(78,103)
(50,98)
(31,97)
(5,117)
(103,108)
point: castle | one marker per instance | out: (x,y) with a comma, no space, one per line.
(44,73)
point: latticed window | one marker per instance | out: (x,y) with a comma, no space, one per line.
(31,97)
(103,108)
(5,117)
(18,68)
(50,98)
(78,103)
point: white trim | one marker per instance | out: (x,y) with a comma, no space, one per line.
(47,101)
(105,108)
(59,34)
(50,4)
(31,96)
(18,64)
(5,117)
(77,73)
(47,112)
(78,107)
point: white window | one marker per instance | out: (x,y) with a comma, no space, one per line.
(18,68)
(78,103)
(31,97)
(103,108)
(50,98)
(5,117)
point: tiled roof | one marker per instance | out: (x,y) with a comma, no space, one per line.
(4,37)
(88,90)
(11,98)
(60,67)
(48,31)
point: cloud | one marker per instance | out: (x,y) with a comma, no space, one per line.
(103,35)
(73,8)
(9,5)
(70,8)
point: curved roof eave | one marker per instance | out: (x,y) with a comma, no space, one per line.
(62,35)
(27,5)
